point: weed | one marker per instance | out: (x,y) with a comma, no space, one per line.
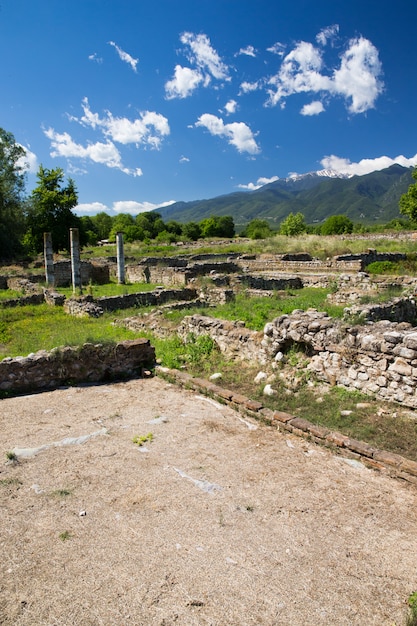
(11,456)
(412,616)
(10,482)
(61,493)
(65,535)
(141,440)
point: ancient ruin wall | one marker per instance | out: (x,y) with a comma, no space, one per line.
(90,363)
(378,358)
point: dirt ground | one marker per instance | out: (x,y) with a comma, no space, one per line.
(215,520)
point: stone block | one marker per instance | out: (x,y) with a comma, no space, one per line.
(388,458)
(301,424)
(400,366)
(283,417)
(360,447)
(337,439)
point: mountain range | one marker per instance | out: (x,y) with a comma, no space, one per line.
(371,198)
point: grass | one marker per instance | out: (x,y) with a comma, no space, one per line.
(27,329)
(412,613)
(380,424)
(262,310)
(108,290)
(317,245)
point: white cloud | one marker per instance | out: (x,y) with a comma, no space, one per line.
(204,56)
(327,34)
(365,166)
(207,65)
(134,208)
(185,81)
(259,183)
(247,87)
(358,76)
(248,51)
(314,108)
(278,49)
(91,208)
(300,72)
(94,57)
(230,107)
(356,79)
(107,154)
(238,134)
(184,159)
(124,56)
(28,162)
(147,130)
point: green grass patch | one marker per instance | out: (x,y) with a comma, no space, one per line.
(256,312)
(28,329)
(109,289)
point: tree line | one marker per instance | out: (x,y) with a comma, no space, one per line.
(49,208)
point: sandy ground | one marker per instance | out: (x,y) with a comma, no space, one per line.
(217,520)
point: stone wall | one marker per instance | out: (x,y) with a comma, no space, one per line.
(62,366)
(97,273)
(379,358)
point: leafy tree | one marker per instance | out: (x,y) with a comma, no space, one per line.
(215,226)
(50,205)
(257,229)
(337,225)
(89,230)
(102,224)
(191,230)
(294,224)
(408,201)
(121,222)
(12,185)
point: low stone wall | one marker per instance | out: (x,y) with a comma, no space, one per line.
(62,366)
(270,283)
(378,358)
(87,306)
(233,338)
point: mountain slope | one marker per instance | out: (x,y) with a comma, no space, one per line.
(370,198)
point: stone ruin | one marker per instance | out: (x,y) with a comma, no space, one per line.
(376,356)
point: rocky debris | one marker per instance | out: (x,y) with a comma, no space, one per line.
(83,307)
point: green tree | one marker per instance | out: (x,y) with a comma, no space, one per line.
(215,226)
(294,224)
(102,224)
(408,201)
(12,185)
(336,225)
(257,229)
(191,230)
(49,210)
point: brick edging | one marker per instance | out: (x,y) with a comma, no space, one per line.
(389,462)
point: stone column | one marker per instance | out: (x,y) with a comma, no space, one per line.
(120,259)
(49,260)
(75,260)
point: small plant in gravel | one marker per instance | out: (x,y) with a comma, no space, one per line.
(62,493)
(65,535)
(412,614)
(140,440)
(11,456)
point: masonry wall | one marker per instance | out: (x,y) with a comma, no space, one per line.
(62,366)
(378,358)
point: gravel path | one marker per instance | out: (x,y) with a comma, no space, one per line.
(215,519)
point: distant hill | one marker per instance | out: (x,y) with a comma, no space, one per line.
(372,198)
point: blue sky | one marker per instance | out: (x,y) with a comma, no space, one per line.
(145,103)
